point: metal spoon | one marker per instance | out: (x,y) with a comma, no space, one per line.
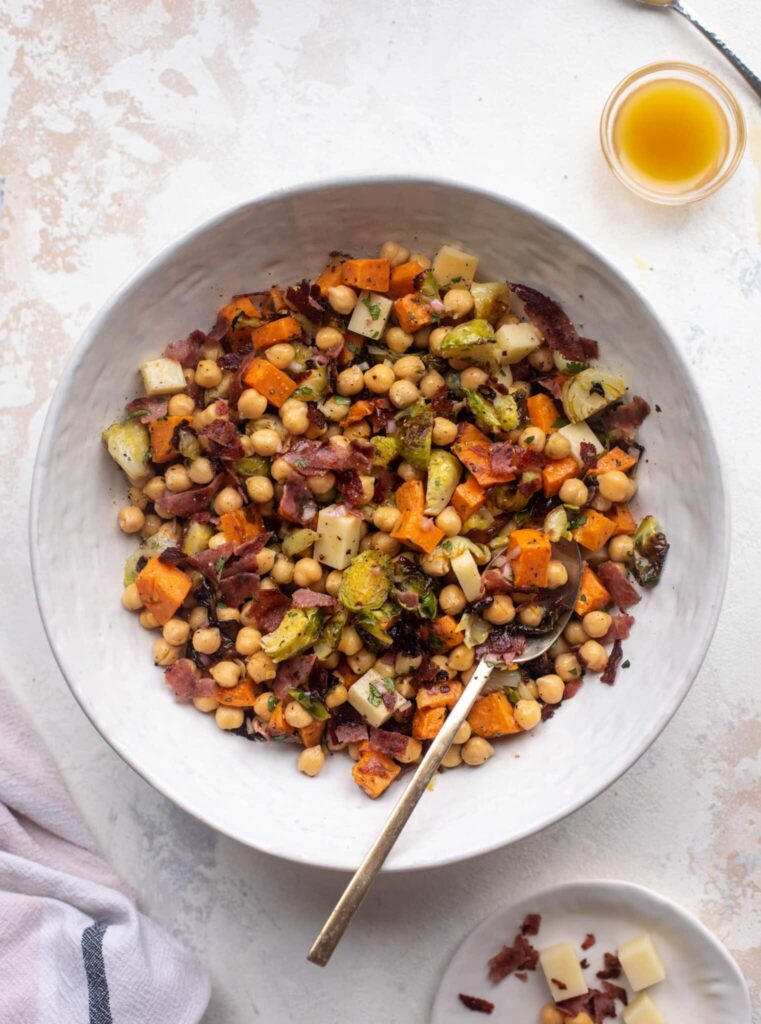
(674,5)
(356,890)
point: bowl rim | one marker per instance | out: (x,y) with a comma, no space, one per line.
(60,397)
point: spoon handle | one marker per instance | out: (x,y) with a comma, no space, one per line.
(750,77)
(355,891)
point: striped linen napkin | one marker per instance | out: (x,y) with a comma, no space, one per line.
(74,949)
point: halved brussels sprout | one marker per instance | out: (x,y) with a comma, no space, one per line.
(414,433)
(129,446)
(413,590)
(480,520)
(483,410)
(591,391)
(252,465)
(508,413)
(444,471)
(454,546)
(491,299)
(372,626)
(386,450)
(463,339)
(650,550)
(297,632)
(331,634)
(188,444)
(365,583)
(315,707)
(299,541)
(197,537)
(556,524)
(476,630)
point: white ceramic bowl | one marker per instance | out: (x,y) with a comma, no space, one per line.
(251,791)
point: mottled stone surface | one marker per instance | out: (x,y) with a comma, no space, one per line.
(124,125)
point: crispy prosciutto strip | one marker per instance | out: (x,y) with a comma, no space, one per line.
(224,439)
(182,680)
(293,674)
(147,408)
(476,1003)
(619,629)
(188,351)
(501,645)
(350,732)
(614,660)
(622,421)
(392,743)
(316,458)
(238,588)
(617,585)
(297,503)
(306,598)
(185,503)
(549,318)
(521,956)
(269,607)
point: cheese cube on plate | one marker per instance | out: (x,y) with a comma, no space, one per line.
(162,377)
(338,538)
(370,315)
(366,696)
(516,341)
(642,1011)
(563,971)
(641,962)
(454,268)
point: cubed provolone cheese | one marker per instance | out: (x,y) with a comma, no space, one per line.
(563,971)
(575,433)
(465,569)
(642,1011)
(454,268)
(516,341)
(366,697)
(162,377)
(370,315)
(338,538)
(641,962)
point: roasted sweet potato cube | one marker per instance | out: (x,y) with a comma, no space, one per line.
(592,594)
(492,716)
(556,472)
(162,436)
(595,531)
(439,695)
(312,734)
(417,531)
(529,552)
(162,588)
(374,772)
(413,312)
(427,722)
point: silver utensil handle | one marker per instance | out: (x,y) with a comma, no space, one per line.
(355,892)
(750,77)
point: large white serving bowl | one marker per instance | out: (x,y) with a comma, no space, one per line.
(252,791)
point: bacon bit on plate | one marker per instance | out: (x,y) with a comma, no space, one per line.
(476,1003)
(584,964)
(614,660)
(619,588)
(531,924)
(612,968)
(589,941)
(521,956)
(599,1004)
(188,351)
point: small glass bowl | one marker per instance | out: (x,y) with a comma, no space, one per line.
(716,89)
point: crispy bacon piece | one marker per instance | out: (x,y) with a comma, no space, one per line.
(350,732)
(614,660)
(185,503)
(476,1003)
(505,459)
(617,585)
(350,485)
(385,481)
(246,555)
(392,743)
(307,299)
(224,439)
(612,967)
(588,454)
(502,645)
(306,598)
(572,687)
(619,629)
(521,956)
(316,458)
(599,1004)
(622,421)
(269,607)
(553,384)
(590,347)
(147,408)
(188,351)
(531,924)
(589,941)
(293,674)
(442,402)
(238,588)
(549,318)
(297,503)
(181,678)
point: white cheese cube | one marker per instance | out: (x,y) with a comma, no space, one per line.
(465,569)
(578,432)
(366,697)
(162,377)
(563,971)
(641,962)
(370,315)
(516,341)
(338,538)
(642,1011)
(454,268)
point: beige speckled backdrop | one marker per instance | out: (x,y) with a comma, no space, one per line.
(123,125)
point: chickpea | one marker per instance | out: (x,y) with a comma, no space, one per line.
(458,302)
(596,624)
(198,617)
(336,696)
(251,405)
(550,688)
(501,610)
(435,339)
(155,488)
(551,1015)
(435,564)
(567,667)
(403,393)
(385,543)
(225,673)
(306,572)
(398,340)
(311,760)
(294,415)
(531,615)
(229,718)
(265,560)
(362,661)
(136,497)
(620,548)
(476,751)
(394,253)
(260,488)
(613,485)
(180,405)
(151,525)
(148,620)
(335,410)
(131,519)
(444,431)
(280,470)
(297,716)
(600,504)
(473,377)
(449,521)
(452,599)
(412,753)
(350,381)
(411,368)
(177,479)
(633,487)
(217,541)
(533,438)
(575,633)
(385,518)
(208,373)
(176,632)
(131,599)
(266,441)
(262,705)
(260,667)
(228,614)
(557,574)
(528,714)
(207,640)
(559,647)
(404,664)
(282,570)
(574,492)
(557,446)
(248,641)
(281,355)
(541,359)
(228,500)
(452,758)
(328,337)
(408,472)
(431,383)
(205,704)
(201,471)
(165,654)
(361,430)
(460,658)
(463,734)
(350,642)
(594,655)
(333,582)
(342,299)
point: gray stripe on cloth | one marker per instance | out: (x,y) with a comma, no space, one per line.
(95,969)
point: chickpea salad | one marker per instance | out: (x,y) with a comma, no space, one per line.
(346,495)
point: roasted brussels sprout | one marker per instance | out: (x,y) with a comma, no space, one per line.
(413,590)
(444,471)
(365,583)
(467,338)
(252,465)
(296,633)
(331,634)
(386,450)
(650,550)
(415,429)
(129,446)
(491,299)
(372,626)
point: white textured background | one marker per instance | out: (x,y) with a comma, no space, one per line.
(125,124)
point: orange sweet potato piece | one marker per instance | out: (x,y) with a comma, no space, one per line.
(311,734)
(413,312)
(402,280)
(238,527)
(285,328)
(468,498)
(162,588)
(622,519)
(329,278)
(472,449)
(592,594)
(275,301)
(439,695)
(529,552)
(542,412)
(240,304)
(410,497)
(357,411)
(445,633)
(277,725)
(368,275)
(374,772)
(556,472)
(596,531)
(242,695)
(275,385)
(427,722)
(492,716)
(162,432)
(417,531)
(616,458)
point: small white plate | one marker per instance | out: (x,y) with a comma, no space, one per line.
(703,984)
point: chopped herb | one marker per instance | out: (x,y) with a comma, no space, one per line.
(137,413)
(373,696)
(626,664)
(574,366)
(528,440)
(561,421)
(372,308)
(658,408)
(300,463)
(455,280)
(341,399)
(271,703)
(219,565)
(513,695)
